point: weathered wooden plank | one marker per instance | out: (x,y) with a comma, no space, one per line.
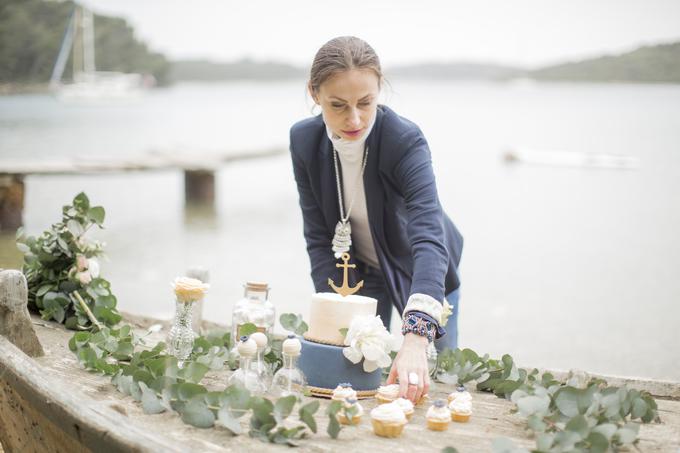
(147,162)
(11,201)
(39,412)
(491,418)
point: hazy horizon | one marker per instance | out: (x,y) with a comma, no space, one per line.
(526,34)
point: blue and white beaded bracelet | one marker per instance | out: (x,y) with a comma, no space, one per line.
(414,323)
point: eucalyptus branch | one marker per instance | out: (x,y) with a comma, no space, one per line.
(87,310)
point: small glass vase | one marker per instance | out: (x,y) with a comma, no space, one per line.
(180,341)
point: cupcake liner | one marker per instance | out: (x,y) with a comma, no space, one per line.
(345,421)
(461,418)
(437,425)
(383,400)
(385,429)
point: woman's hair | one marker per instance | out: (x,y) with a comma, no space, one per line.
(342,54)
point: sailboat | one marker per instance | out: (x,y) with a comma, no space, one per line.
(88,84)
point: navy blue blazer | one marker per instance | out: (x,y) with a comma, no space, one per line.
(417,245)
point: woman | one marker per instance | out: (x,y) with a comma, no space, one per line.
(364,177)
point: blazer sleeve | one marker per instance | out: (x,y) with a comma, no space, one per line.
(316,234)
(414,177)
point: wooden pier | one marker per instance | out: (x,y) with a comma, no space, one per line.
(199,174)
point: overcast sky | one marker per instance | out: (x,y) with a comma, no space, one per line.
(525,33)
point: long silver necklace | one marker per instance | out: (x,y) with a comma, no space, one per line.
(343,230)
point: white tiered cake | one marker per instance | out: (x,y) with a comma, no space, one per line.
(331,312)
(322,359)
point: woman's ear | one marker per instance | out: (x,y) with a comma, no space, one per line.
(314,96)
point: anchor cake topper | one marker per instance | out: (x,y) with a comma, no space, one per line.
(345,290)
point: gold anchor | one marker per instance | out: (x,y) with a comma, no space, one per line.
(345,290)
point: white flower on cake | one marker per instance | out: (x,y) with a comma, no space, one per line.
(367,338)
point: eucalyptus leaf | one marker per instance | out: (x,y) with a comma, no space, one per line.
(283,407)
(193,372)
(579,425)
(532,404)
(639,408)
(150,402)
(228,421)
(196,413)
(96,214)
(598,443)
(186,390)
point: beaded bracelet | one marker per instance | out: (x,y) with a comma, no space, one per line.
(419,326)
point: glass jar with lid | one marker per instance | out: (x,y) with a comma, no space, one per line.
(254,308)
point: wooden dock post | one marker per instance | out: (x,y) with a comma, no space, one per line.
(15,321)
(199,186)
(11,202)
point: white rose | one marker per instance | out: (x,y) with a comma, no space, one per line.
(367,338)
(189,289)
(93,267)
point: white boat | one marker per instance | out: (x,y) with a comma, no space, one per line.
(88,84)
(571,159)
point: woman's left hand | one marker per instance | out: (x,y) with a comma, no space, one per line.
(411,358)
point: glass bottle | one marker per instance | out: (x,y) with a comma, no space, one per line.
(258,365)
(180,339)
(244,375)
(256,308)
(289,380)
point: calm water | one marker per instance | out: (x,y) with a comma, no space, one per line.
(562,268)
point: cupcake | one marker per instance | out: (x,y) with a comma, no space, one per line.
(388,420)
(438,416)
(350,407)
(343,391)
(461,409)
(422,399)
(387,393)
(406,406)
(460,393)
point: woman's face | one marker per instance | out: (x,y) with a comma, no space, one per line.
(349,100)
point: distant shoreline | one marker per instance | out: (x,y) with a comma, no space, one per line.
(11,89)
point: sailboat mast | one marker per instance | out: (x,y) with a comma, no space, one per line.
(78,44)
(88,41)
(66,43)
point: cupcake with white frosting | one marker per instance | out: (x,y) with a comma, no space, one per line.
(406,406)
(460,393)
(387,393)
(351,412)
(388,420)
(461,410)
(438,416)
(343,391)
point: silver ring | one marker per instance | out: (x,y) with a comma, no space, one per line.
(413,378)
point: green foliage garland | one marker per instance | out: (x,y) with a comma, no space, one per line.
(154,379)
(581,415)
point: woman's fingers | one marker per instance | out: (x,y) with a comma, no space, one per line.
(403,381)
(426,387)
(420,387)
(392,378)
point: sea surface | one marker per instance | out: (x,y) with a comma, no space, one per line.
(563,267)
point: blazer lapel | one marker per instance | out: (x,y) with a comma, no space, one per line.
(373,189)
(329,189)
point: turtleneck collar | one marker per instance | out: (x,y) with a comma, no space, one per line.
(350,148)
